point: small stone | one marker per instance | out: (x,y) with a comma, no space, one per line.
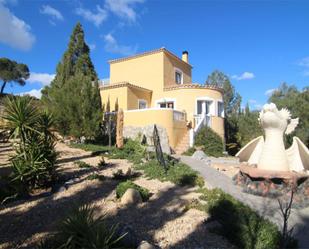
(145,245)
(69,182)
(131,196)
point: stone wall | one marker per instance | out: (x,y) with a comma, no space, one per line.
(147,131)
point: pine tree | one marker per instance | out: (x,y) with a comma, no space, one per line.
(73,95)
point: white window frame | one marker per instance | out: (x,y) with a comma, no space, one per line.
(222,112)
(142,101)
(212,111)
(164,100)
(181,73)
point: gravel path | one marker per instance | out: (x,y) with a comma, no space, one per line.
(265,206)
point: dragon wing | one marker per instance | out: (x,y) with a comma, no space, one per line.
(291,126)
(298,156)
(252,151)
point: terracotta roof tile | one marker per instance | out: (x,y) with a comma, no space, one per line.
(123,84)
(163,49)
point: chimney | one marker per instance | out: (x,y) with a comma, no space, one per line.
(185,56)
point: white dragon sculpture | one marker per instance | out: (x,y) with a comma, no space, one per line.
(271,153)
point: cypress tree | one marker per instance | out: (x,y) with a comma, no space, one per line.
(73,96)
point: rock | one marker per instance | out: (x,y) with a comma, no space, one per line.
(145,245)
(199,155)
(131,196)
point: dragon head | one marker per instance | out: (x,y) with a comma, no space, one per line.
(271,117)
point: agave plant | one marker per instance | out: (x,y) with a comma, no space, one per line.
(21,115)
(81,230)
(34,162)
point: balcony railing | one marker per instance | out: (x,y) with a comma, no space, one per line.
(179,116)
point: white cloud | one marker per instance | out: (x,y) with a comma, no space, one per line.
(34,93)
(123,8)
(14,31)
(244,76)
(304,62)
(52,12)
(42,78)
(112,46)
(96,18)
(269,92)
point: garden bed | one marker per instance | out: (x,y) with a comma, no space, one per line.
(161,220)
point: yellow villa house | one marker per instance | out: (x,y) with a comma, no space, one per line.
(156,87)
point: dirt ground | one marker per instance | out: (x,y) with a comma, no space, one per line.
(162,220)
(228,169)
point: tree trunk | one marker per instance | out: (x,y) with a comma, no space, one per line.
(3,86)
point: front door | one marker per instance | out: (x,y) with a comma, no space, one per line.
(202,110)
(203,107)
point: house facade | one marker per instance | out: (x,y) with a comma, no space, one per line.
(156,87)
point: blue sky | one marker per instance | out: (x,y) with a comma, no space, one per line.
(259,44)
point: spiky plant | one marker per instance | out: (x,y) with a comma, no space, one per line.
(34,161)
(82,230)
(21,115)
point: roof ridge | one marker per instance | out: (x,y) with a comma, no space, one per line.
(122,84)
(154,51)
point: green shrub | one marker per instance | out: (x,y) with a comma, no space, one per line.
(82,164)
(200,181)
(241,225)
(95,176)
(119,175)
(81,230)
(123,186)
(132,151)
(211,142)
(100,149)
(178,173)
(102,163)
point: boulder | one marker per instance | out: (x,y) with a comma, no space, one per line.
(145,245)
(199,155)
(131,196)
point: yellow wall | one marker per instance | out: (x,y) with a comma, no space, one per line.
(170,63)
(144,71)
(127,97)
(114,94)
(134,95)
(161,117)
(217,124)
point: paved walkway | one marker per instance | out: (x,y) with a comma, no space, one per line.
(264,206)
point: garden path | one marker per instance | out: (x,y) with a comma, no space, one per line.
(264,206)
